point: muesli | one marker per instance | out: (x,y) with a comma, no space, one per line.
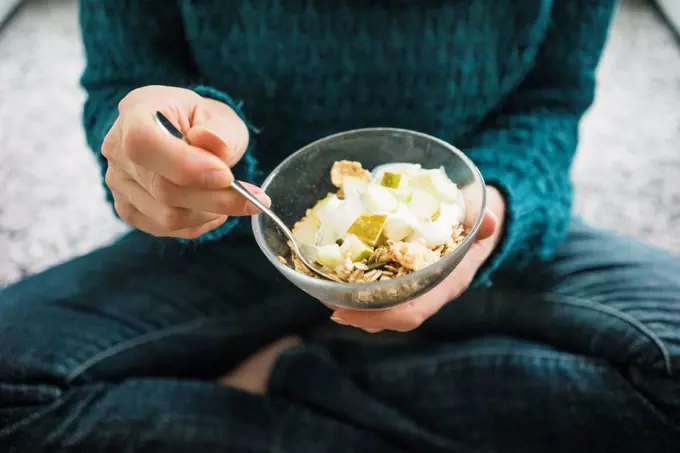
(379,225)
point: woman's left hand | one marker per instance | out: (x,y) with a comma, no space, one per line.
(410,315)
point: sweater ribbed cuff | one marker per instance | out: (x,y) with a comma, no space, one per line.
(526,233)
(245,170)
(97,139)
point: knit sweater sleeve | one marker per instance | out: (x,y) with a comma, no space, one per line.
(130,44)
(526,148)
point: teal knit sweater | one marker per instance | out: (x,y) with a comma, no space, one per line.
(506,81)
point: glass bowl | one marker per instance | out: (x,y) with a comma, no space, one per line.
(304,178)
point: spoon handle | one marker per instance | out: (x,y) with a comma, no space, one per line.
(240,188)
(236,185)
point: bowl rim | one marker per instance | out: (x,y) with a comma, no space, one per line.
(330,284)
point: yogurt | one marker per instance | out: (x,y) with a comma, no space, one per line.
(424,206)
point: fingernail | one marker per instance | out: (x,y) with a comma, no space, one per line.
(218,178)
(213,133)
(373,330)
(339,320)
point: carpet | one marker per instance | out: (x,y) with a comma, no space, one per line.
(51,201)
(7,7)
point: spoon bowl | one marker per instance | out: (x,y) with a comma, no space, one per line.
(306,253)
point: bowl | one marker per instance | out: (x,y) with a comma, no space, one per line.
(304,178)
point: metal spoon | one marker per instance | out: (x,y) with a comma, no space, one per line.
(306,253)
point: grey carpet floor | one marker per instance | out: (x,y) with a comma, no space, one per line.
(627,172)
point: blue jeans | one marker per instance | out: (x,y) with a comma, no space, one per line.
(118,351)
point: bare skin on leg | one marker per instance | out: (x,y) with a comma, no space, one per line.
(253,374)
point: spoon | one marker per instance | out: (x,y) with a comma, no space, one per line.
(306,253)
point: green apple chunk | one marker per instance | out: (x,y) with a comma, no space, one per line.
(352,185)
(438,183)
(391,180)
(447,190)
(330,255)
(355,247)
(306,230)
(326,211)
(368,227)
(402,194)
(396,228)
(424,205)
(322,204)
(379,199)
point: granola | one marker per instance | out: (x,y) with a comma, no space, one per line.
(382,225)
(344,168)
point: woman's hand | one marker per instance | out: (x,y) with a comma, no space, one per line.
(412,314)
(164,186)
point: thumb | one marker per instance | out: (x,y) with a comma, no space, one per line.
(220,132)
(488,226)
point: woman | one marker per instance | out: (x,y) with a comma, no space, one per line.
(180,337)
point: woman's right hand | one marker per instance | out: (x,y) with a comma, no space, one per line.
(164,186)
